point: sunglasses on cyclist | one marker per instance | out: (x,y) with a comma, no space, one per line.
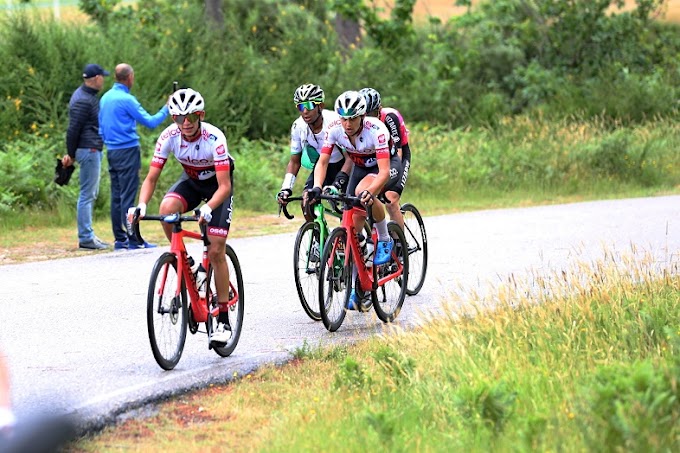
(192,117)
(309,105)
(347,113)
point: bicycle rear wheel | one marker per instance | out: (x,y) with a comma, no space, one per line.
(414,231)
(306,259)
(392,277)
(335,280)
(166,312)
(236,299)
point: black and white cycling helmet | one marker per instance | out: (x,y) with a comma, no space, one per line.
(372,98)
(186,101)
(308,92)
(350,104)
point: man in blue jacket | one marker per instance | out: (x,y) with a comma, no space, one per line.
(84,145)
(119,113)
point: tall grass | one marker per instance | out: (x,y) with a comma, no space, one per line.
(524,157)
(580,360)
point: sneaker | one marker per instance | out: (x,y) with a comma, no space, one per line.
(221,334)
(315,254)
(383,252)
(146,245)
(353,300)
(103,242)
(120,245)
(93,244)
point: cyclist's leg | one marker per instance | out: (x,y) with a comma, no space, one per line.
(333,170)
(180,197)
(218,229)
(307,210)
(393,190)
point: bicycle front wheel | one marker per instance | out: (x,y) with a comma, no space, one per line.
(414,231)
(392,278)
(306,259)
(335,280)
(166,312)
(236,300)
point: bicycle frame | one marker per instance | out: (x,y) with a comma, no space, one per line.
(199,305)
(319,217)
(367,280)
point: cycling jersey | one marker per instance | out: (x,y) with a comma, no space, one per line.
(372,142)
(200,158)
(395,124)
(398,139)
(304,141)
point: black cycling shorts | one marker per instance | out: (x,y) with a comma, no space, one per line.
(192,191)
(331,172)
(358,173)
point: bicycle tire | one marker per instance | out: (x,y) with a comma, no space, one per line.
(414,231)
(306,271)
(235,311)
(388,298)
(166,316)
(335,280)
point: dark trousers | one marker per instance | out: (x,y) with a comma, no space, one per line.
(124,167)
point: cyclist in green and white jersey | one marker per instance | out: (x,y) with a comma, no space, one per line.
(306,141)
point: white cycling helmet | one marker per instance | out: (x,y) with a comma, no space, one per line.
(308,92)
(186,101)
(350,104)
(372,98)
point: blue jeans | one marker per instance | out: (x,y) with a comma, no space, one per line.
(90,161)
(124,166)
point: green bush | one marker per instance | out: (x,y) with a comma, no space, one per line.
(636,407)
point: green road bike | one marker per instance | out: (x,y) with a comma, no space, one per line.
(307,254)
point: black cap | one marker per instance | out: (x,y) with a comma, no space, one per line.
(92,70)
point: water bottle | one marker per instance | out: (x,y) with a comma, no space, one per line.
(366,249)
(201,280)
(199,275)
(368,255)
(193,265)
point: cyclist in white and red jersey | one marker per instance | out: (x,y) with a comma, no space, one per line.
(306,140)
(366,142)
(398,144)
(202,150)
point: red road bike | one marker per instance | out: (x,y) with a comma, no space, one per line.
(169,313)
(386,284)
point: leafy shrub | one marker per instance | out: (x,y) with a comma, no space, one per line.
(490,404)
(635,407)
(352,375)
(400,369)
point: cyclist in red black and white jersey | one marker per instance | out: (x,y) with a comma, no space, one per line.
(366,141)
(398,144)
(202,150)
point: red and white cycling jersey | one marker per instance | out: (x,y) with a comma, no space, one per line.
(302,138)
(200,158)
(372,142)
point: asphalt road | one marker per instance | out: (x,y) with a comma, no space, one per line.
(74,330)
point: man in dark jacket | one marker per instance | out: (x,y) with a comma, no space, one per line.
(84,145)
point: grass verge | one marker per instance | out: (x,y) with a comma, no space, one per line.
(583,360)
